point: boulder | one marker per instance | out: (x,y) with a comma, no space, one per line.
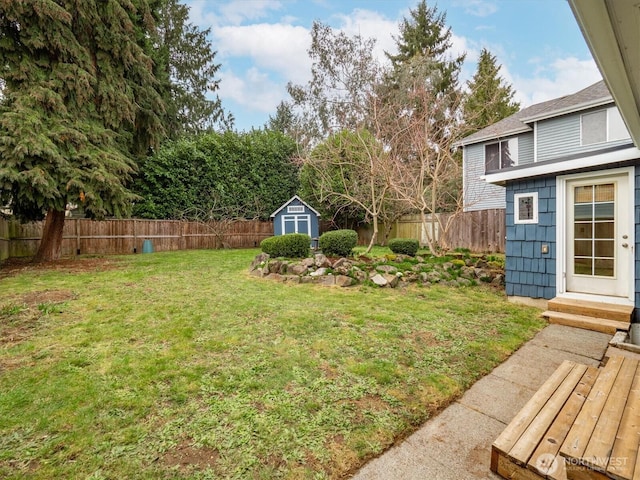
(463,282)
(308,279)
(498,280)
(359,275)
(344,281)
(276,276)
(292,278)
(342,262)
(308,262)
(447,265)
(283,268)
(297,269)
(322,261)
(260,259)
(392,280)
(328,280)
(274,266)
(379,280)
(319,272)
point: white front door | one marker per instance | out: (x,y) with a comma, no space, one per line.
(599,235)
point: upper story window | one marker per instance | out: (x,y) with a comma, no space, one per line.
(295,209)
(602,126)
(501,155)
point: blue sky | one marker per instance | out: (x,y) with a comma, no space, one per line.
(262,44)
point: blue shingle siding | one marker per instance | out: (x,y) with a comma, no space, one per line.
(529,272)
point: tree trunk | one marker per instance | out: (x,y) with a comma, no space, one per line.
(374,236)
(51,243)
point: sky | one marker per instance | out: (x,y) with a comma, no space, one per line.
(262,44)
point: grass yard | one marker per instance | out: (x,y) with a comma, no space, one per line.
(181,365)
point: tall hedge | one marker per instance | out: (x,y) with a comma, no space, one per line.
(228,174)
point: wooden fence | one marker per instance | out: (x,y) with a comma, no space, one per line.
(481,231)
(115,237)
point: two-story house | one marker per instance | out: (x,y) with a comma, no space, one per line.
(569,175)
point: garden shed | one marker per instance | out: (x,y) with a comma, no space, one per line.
(296,216)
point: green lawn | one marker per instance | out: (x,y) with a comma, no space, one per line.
(181,365)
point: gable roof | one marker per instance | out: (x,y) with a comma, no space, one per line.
(592,96)
(295,197)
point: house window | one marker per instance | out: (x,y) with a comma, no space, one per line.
(602,126)
(295,209)
(525,207)
(501,155)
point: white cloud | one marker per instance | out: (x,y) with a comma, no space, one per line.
(279,48)
(370,24)
(253,90)
(561,77)
(234,12)
(478,8)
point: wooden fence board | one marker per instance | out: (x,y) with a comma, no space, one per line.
(118,237)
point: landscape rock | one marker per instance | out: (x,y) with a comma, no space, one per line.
(308,262)
(276,276)
(359,275)
(342,262)
(327,280)
(319,272)
(387,269)
(322,261)
(344,281)
(447,265)
(260,259)
(463,282)
(308,279)
(498,280)
(297,269)
(392,280)
(274,266)
(379,280)
(292,278)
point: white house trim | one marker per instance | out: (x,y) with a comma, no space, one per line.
(295,197)
(561,235)
(602,159)
(296,219)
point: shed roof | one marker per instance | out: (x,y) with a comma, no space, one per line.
(594,95)
(295,197)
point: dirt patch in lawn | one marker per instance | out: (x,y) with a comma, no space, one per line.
(15,266)
(186,456)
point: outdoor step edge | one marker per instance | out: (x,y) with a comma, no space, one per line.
(621,313)
(603,325)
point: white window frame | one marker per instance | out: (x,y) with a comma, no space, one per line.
(512,142)
(609,122)
(296,221)
(295,209)
(516,209)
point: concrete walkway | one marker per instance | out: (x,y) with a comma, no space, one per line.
(457,443)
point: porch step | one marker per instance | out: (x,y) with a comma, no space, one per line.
(604,325)
(610,311)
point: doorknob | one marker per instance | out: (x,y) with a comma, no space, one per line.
(625,245)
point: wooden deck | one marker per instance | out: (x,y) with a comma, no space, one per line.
(583,423)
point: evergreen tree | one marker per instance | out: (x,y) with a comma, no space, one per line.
(80,101)
(489,99)
(426,35)
(284,119)
(185,61)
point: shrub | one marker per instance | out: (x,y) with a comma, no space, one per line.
(405,246)
(338,243)
(291,245)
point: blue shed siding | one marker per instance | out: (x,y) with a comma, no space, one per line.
(529,272)
(314,223)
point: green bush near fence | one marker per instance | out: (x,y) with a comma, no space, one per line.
(404,246)
(291,245)
(338,243)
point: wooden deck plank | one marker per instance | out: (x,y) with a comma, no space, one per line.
(597,453)
(507,469)
(528,442)
(549,447)
(624,454)
(523,419)
(578,437)
(610,311)
(585,322)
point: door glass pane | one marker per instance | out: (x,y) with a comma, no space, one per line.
(583,212)
(584,194)
(583,230)
(604,267)
(604,211)
(604,230)
(583,266)
(289,226)
(583,248)
(303,225)
(594,230)
(604,248)
(605,193)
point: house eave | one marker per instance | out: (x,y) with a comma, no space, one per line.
(610,29)
(568,110)
(295,197)
(560,166)
(493,137)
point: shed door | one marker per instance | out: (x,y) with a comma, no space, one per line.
(599,237)
(295,224)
